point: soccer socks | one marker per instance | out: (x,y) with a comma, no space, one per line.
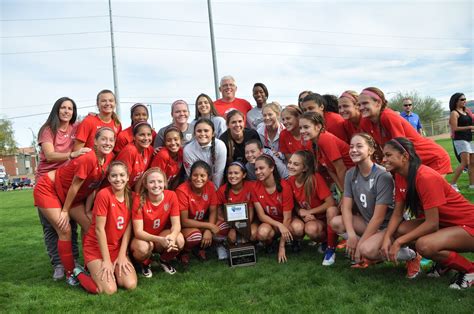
(331,237)
(87,283)
(65,253)
(458,262)
(168,256)
(192,240)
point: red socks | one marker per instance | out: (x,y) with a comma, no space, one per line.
(65,253)
(331,237)
(87,283)
(168,256)
(458,262)
(192,240)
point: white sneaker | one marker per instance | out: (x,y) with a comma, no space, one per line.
(58,273)
(167,268)
(221,253)
(462,281)
(455,187)
(329,257)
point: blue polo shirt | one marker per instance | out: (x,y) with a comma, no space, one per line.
(413,118)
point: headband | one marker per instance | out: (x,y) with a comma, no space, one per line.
(400,145)
(138,104)
(139,124)
(371,94)
(349,95)
(269,157)
(238,163)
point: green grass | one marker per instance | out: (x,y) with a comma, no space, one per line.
(301,285)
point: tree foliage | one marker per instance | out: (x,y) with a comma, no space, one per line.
(7,138)
(428,108)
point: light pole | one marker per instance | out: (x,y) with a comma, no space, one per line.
(114,65)
(213,48)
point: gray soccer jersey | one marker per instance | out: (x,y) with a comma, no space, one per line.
(375,189)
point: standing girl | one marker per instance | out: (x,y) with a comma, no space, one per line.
(138,113)
(238,190)
(331,152)
(290,139)
(137,155)
(254,116)
(383,124)
(316,206)
(461,124)
(273,201)
(156,223)
(170,157)
(56,138)
(205,109)
(61,194)
(198,205)
(445,224)
(236,136)
(348,104)
(106,242)
(269,131)
(207,148)
(106,118)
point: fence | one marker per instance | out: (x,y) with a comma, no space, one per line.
(431,128)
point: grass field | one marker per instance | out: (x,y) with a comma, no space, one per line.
(301,285)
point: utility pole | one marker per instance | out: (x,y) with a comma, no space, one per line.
(114,65)
(213,47)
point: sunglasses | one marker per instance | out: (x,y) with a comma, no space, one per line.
(407,105)
(462,99)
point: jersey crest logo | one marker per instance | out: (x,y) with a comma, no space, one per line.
(166,207)
(279,199)
(205,197)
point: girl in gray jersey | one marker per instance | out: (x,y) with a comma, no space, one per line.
(368,189)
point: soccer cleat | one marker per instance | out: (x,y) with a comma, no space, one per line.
(296,246)
(462,281)
(72,280)
(322,247)
(221,253)
(146,271)
(329,257)
(184,258)
(455,187)
(58,273)
(200,254)
(413,267)
(437,270)
(341,245)
(78,270)
(167,268)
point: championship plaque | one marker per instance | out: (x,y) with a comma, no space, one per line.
(241,253)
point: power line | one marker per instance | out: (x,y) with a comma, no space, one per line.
(54,18)
(42,105)
(46,51)
(40,114)
(48,35)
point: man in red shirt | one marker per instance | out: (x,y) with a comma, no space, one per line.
(229,102)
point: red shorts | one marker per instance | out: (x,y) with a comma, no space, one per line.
(91,253)
(45,195)
(469,229)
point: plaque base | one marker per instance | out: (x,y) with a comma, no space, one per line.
(242,255)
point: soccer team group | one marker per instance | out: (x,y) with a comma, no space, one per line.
(308,170)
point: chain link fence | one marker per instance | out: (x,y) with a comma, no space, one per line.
(432,128)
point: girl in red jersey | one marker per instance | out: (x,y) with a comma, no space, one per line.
(198,205)
(60,194)
(445,219)
(331,152)
(138,113)
(156,223)
(383,124)
(170,157)
(137,155)
(348,104)
(290,138)
(316,204)
(106,118)
(106,242)
(273,201)
(238,190)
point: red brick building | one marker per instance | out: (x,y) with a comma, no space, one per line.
(23,163)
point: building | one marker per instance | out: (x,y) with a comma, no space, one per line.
(23,163)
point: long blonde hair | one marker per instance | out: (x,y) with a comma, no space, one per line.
(127,193)
(142,190)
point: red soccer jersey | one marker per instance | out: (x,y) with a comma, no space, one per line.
(321,191)
(118,218)
(89,126)
(288,144)
(334,123)
(351,129)
(240,104)
(196,205)
(125,137)
(85,167)
(170,166)
(137,163)
(244,196)
(434,191)
(392,125)
(276,203)
(156,217)
(331,148)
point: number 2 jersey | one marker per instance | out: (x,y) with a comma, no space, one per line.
(117,219)
(156,218)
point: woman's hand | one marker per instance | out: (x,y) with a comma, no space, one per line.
(80,152)
(123,265)
(393,252)
(282,254)
(63,220)
(106,271)
(385,248)
(171,242)
(285,233)
(214,229)
(206,239)
(351,246)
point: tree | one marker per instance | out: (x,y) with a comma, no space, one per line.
(7,139)
(428,108)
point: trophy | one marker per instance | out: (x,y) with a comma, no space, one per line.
(242,253)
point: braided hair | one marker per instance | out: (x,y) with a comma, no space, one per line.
(372,145)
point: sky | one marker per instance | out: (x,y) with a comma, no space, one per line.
(51,49)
